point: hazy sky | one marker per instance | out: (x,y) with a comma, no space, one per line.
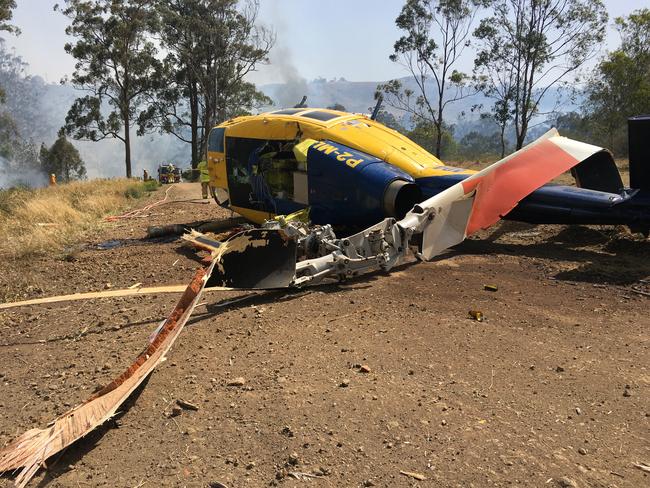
(333,38)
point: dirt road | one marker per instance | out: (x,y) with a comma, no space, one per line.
(350,384)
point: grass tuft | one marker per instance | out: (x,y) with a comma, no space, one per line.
(48,219)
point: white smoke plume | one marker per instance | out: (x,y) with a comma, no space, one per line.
(13,174)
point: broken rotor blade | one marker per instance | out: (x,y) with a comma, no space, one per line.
(34,447)
(255,259)
(479,201)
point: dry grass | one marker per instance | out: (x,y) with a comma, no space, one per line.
(50,219)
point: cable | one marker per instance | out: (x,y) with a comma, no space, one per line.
(136,212)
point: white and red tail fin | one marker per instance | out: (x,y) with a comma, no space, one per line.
(482,199)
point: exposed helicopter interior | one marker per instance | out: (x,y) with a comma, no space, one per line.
(266,175)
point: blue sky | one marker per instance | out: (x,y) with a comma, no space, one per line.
(333,38)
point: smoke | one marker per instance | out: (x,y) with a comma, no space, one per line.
(105,159)
(281,66)
(14,174)
(294,86)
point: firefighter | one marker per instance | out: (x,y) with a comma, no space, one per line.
(52,179)
(204,177)
(145,175)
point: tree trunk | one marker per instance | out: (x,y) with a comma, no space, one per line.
(438,124)
(521,133)
(194,123)
(127,145)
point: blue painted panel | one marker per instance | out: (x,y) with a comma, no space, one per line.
(285,207)
(432,185)
(346,186)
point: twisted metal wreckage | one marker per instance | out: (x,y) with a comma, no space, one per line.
(285,253)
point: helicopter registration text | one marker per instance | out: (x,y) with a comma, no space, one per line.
(343,156)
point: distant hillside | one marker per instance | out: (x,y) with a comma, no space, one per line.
(46,114)
(358,96)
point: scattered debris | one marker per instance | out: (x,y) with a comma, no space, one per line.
(201,241)
(31,449)
(125,292)
(345,383)
(490,288)
(413,475)
(640,292)
(237,382)
(174,412)
(205,226)
(642,466)
(186,405)
(364,368)
(294,460)
(303,476)
(565,482)
(476,315)
(345,316)
(286,430)
(216,484)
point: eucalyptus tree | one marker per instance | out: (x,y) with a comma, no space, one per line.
(115,66)
(436,34)
(212,46)
(527,47)
(620,85)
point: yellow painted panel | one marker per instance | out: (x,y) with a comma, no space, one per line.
(355,131)
(217,169)
(253,215)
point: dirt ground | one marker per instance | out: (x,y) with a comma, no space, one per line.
(349,384)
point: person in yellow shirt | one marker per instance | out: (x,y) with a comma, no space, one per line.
(204,177)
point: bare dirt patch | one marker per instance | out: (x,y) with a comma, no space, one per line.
(350,383)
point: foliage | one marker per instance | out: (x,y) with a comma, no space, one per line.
(389,120)
(141,189)
(6,7)
(151,185)
(62,160)
(436,34)
(9,136)
(426,135)
(528,46)
(115,64)
(479,146)
(23,94)
(620,86)
(212,45)
(574,126)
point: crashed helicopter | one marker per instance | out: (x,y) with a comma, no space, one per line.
(347,171)
(306,174)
